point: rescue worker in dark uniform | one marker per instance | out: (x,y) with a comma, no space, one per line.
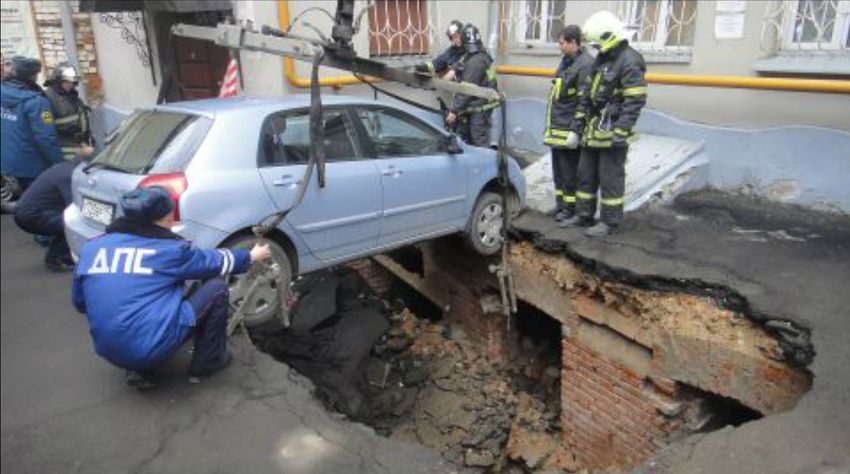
(573,69)
(130,285)
(29,145)
(442,64)
(612,99)
(39,211)
(473,113)
(70,114)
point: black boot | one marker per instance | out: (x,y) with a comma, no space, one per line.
(200,370)
(576,221)
(140,380)
(58,265)
(601,229)
(564,214)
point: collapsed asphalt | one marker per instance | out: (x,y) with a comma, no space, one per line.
(65,410)
(786,267)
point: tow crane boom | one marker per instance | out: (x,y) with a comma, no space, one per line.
(338,52)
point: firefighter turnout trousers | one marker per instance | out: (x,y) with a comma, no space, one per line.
(565,164)
(602,169)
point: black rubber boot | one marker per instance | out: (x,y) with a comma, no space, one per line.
(576,221)
(204,370)
(601,229)
(141,380)
(58,265)
(564,214)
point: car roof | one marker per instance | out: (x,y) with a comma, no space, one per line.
(263,105)
(215,107)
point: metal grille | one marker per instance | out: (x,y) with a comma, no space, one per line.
(806,25)
(659,25)
(403,28)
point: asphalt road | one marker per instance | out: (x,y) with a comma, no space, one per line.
(65,410)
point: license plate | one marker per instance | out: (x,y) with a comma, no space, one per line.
(97,211)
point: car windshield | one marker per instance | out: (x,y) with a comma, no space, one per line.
(154,141)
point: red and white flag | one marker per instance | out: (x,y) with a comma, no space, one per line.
(231,79)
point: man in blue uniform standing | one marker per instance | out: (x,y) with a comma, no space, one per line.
(30,144)
(130,284)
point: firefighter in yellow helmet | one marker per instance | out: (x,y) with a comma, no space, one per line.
(612,98)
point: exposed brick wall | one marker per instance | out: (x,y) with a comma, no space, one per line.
(486,325)
(611,417)
(376,276)
(48,27)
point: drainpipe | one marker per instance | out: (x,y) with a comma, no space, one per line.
(70,37)
(493,20)
(736,82)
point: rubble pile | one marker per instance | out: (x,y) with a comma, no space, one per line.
(497,418)
(419,381)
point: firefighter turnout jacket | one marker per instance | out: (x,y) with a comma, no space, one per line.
(130,286)
(477,69)
(611,99)
(445,60)
(564,97)
(71,117)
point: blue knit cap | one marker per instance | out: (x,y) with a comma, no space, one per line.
(148,204)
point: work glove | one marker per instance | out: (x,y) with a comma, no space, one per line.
(573,140)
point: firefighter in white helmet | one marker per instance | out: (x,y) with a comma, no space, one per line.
(612,98)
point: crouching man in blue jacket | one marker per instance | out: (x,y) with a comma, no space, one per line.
(130,284)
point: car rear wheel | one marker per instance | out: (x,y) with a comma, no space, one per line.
(484,232)
(261,289)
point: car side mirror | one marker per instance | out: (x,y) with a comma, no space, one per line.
(453,146)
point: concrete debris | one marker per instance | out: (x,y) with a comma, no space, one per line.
(418,380)
(474,458)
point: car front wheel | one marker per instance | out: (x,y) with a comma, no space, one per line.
(261,289)
(484,231)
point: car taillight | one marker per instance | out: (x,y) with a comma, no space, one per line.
(175,183)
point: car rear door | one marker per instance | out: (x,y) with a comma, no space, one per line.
(424,187)
(341,219)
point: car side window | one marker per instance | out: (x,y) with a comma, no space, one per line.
(395,134)
(285,139)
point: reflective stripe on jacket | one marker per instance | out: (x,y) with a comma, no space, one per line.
(131,289)
(612,97)
(564,96)
(477,69)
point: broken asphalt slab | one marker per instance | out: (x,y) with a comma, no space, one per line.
(65,410)
(775,263)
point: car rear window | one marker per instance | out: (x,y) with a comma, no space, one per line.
(154,141)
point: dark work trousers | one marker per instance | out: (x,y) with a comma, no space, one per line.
(602,169)
(565,174)
(475,128)
(210,304)
(48,223)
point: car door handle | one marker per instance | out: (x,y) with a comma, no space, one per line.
(392,171)
(287,180)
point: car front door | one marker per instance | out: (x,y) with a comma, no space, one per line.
(341,219)
(424,187)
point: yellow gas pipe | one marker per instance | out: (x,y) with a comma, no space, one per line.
(736,82)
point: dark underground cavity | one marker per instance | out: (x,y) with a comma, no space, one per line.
(394,364)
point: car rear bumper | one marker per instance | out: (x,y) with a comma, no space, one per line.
(79,230)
